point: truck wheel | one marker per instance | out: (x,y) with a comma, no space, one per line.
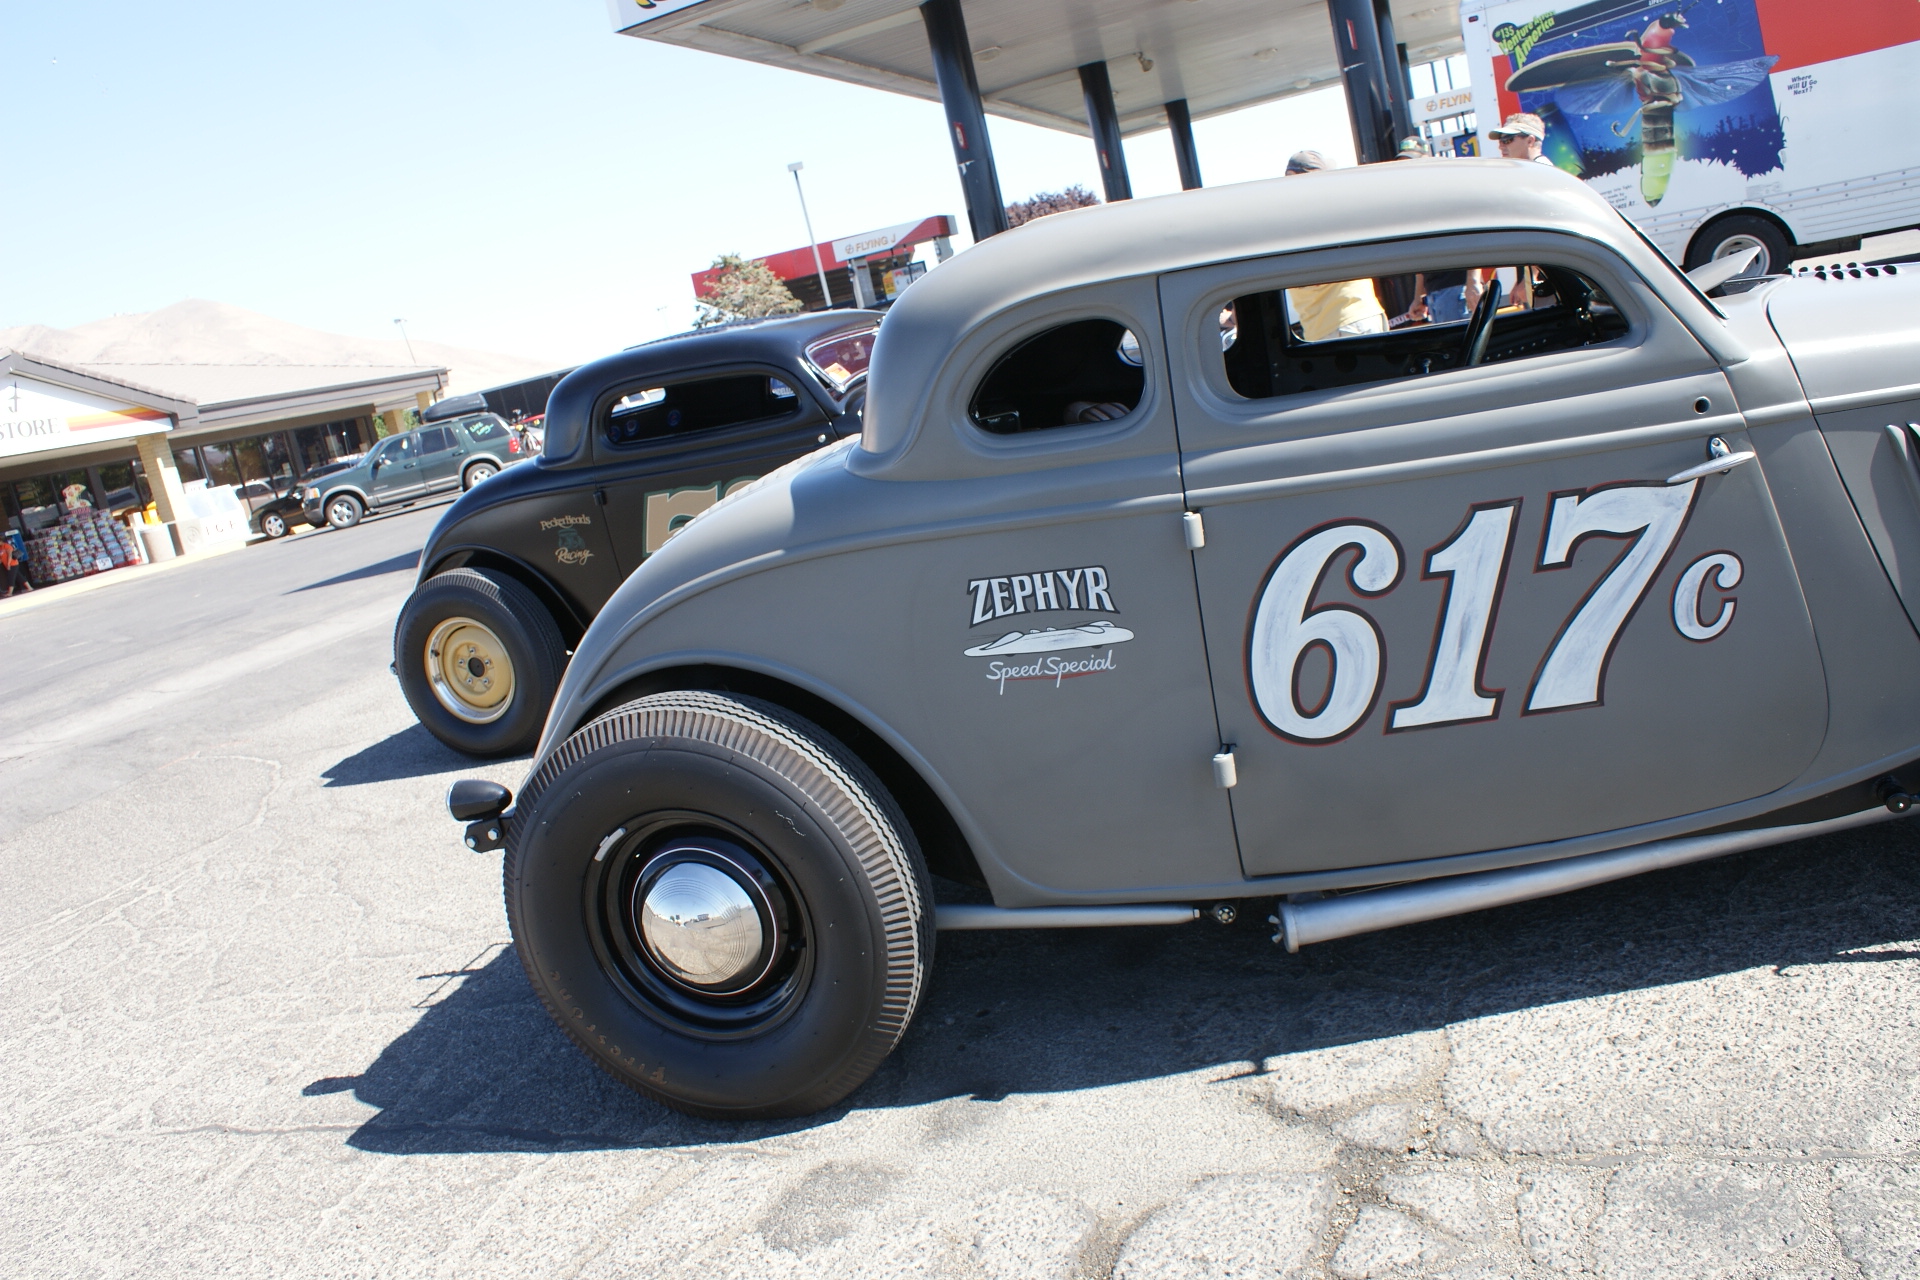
(1742,231)
(476,473)
(344,511)
(720,904)
(273,524)
(479,658)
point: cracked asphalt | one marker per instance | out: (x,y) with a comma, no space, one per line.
(262,1018)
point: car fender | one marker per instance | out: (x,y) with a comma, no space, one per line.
(474,555)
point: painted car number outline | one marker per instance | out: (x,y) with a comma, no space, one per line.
(1474,560)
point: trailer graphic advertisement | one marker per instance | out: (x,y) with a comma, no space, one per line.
(1676,110)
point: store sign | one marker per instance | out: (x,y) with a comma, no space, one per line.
(627,14)
(1438,106)
(871,243)
(38,417)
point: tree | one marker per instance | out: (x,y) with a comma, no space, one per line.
(1046,202)
(743,290)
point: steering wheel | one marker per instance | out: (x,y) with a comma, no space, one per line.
(1480,327)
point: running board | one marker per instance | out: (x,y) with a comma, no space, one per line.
(953,916)
(1341,916)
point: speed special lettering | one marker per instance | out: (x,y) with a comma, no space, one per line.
(1040,592)
(1049,668)
(1287,625)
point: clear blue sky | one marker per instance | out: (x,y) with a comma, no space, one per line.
(508,176)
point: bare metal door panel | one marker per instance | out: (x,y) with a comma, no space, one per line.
(1467,611)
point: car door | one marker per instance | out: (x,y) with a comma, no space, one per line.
(1453,607)
(439,468)
(680,444)
(396,470)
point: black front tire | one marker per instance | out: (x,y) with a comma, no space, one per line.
(1740,231)
(519,634)
(839,860)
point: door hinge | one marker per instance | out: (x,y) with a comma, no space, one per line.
(1195,530)
(600,496)
(1225,774)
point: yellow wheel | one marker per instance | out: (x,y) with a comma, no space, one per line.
(469,669)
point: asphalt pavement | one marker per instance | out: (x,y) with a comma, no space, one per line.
(262,1017)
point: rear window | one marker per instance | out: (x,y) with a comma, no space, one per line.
(484,429)
(1084,372)
(842,359)
(707,404)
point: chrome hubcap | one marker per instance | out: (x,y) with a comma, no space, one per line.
(704,922)
(701,926)
(469,670)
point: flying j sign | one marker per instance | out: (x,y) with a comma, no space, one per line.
(38,417)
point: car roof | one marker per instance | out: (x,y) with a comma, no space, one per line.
(1150,237)
(782,340)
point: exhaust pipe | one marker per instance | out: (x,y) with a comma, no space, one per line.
(1323,919)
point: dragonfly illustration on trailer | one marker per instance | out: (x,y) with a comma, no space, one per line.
(1605,79)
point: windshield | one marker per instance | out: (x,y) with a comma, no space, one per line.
(842,359)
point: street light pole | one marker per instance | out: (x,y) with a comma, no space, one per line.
(409,341)
(826,292)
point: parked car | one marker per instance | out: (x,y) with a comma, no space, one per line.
(411,465)
(1129,623)
(278,504)
(516,570)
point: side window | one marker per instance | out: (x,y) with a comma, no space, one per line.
(402,448)
(1087,371)
(435,440)
(654,413)
(1346,333)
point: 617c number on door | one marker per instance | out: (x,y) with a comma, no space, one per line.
(1286,627)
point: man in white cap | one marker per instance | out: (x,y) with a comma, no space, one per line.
(1520,137)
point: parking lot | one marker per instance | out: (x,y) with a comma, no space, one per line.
(263,1017)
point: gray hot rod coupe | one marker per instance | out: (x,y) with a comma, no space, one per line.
(1182,560)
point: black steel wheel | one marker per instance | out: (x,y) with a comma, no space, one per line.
(720,904)
(273,524)
(479,658)
(344,511)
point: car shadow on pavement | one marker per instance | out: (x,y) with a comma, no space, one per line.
(410,753)
(406,562)
(1052,1010)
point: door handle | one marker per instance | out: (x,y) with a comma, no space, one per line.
(1723,460)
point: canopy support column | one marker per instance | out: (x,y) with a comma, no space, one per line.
(966,118)
(1104,121)
(1356,42)
(1393,62)
(1180,125)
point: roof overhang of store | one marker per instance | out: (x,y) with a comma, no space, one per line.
(315,404)
(51,410)
(835,255)
(1219,55)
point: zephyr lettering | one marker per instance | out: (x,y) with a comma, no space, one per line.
(1044,591)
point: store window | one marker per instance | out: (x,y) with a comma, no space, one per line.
(37,502)
(220,468)
(187,463)
(118,487)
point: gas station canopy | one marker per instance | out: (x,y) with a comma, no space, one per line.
(1216,55)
